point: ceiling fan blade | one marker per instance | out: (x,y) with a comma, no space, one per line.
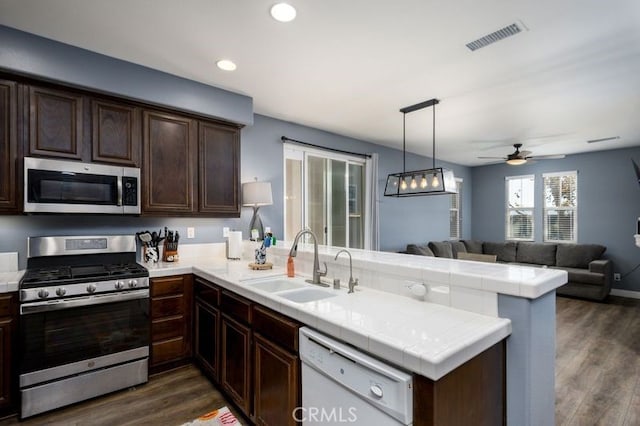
(491,158)
(548,157)
(525,153)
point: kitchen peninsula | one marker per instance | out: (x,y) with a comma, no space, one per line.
(469,308)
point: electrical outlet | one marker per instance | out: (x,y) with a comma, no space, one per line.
(191,232)
(616,276)
(225,232)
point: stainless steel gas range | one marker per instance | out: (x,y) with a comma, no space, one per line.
(84,320)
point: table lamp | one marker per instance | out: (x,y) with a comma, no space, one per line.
(256,194)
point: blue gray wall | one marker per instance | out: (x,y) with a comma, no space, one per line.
(608,203)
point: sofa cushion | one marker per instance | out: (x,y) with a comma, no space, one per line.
(421,249)
(542,254)
(457,247)
(506,251)
(583,276)
(473,246)
(441,249)
(578,255)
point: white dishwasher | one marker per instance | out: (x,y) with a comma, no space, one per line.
(341,385)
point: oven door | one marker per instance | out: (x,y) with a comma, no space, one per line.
(69,336)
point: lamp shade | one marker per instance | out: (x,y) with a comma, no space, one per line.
(256,194)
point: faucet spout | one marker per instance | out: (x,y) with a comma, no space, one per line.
(352,282)
(317,273)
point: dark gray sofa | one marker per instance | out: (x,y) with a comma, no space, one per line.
(590,276)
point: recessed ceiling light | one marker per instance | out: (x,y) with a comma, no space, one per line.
(283,12)
(227,65)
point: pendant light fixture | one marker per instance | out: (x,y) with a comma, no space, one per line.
(433,181)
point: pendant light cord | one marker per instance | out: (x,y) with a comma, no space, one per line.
(434,136)
(404,143)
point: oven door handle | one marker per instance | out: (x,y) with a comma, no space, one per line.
(100,299)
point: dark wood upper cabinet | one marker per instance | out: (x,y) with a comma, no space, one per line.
(55,123)
(115,133)
(9,170)
(219,152)
(169,160)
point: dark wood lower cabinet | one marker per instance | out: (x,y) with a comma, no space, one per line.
(171,300)
(236,362)
(276,390)
(472,394)
(8,374)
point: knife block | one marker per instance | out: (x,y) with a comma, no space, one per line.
(170,252)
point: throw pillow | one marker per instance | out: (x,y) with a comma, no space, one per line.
(541,254)
(473,246)
(422,250)
(457,247)
(441,249)
(506,252)
(578,255)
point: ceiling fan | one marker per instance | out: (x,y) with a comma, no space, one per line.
(521,157)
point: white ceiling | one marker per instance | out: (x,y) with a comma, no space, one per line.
(349,66)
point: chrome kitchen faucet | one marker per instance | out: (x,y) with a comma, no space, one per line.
(317,273)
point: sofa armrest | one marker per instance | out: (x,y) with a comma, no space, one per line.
(601,266)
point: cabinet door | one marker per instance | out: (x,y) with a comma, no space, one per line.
(236,366)
(276,382)
(55,123)
(219,152)
(8,320)
(169,163)
(115,133)
(9,170)
(207,342)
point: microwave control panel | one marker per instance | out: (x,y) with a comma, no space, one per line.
(129,191)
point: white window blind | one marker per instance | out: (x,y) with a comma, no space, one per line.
(560,207)
(455,212)
(519,207)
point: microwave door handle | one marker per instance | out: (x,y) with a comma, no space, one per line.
(119,190)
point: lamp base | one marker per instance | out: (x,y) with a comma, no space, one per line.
(256,223)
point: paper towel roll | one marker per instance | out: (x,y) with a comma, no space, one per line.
(235,245)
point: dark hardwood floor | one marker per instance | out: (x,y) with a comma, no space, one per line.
(170,398)
(598,362)
(597,378)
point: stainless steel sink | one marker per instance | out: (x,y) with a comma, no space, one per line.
(278,284)
(307,295)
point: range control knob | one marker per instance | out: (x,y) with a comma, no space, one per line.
(43,294)
(376,391)
(119,285)
(91,288)
(133,283)
(61,291)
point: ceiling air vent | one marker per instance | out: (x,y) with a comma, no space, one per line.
(611,138)
(495,36)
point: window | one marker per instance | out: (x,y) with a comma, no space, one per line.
(560,207)
(455,212)
(324,191)
(520,205)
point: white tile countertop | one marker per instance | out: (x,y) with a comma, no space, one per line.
(9,281)
(426,338)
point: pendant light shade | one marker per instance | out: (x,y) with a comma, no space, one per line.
(433,181)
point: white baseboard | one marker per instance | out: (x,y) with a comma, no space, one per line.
(625,293)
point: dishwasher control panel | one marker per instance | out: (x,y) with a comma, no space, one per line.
(381,385)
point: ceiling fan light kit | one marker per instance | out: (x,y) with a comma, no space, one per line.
(433,181)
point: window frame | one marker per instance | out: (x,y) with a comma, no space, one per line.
(458,197)
(508,209)
(302,153)
(545,209)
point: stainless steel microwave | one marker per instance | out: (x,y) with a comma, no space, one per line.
(53,186)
